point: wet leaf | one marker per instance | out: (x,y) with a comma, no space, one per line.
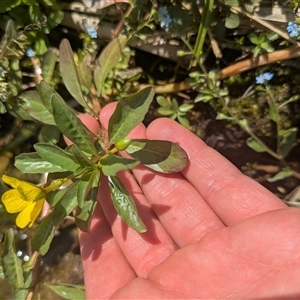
(56,156)
(32,103)
(130,111)
(112,164)
(107,60)
(124,204)
(161,156)
(12,264)
(68,291)
(68,123)
(34,163)
(69,72)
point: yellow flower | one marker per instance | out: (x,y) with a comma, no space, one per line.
(25,198)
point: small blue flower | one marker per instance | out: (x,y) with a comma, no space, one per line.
(262,78)
(165,18)
(29,52)
(92,32)
(293,29)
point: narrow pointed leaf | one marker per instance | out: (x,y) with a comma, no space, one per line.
(83,215)
(48,64)
(85,184)
(56,156)
(108,59)
(34,163)
(68,123)
(255,145)
(80,157)
(12,264)
(68,291)
(161,156)
(43,236)
(33,104)
(69,72)
(112,164)
(287,142)
(124,204)
(47,93)
(129,112)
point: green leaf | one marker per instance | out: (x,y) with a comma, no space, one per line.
(86,184)
(285,173)
(32,103)
(83,215)
(69,72)
(48,64)
(256,146)
(233,3)
(8,5)
(124,204)
(107,60)
(12,264)
(80,157)
(54,18)
(68,291)
(33,163)
(112,164)
(288,138)
(162,101)
(55,196)
(49,134)
(84,72)
(232,21)
(56,156)
(43,236)
(130,111)
(185,107)
(68,123)
(165,111)
(161,156)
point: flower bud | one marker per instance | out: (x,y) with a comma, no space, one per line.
(123,144)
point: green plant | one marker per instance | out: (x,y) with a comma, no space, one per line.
(78,166)
(172,109)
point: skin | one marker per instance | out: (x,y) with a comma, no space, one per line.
(213,233)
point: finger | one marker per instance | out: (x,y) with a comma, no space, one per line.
(178,205)
(105,267)
(232,195)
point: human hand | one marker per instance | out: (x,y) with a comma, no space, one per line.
(212,232)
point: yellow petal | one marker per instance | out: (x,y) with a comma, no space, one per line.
(13,201)
(36,211)
(24,217)
(28,191)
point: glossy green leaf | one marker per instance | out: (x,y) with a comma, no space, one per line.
(288,139)
(86,184)
(33,163)
(161,156)
(107,60)
(32,103)
(124,204)
(48,64)
(112,164)
(55,196)
(129,112)
(69,72)
(43,236)
(12,264)
(256,146)
(68,123)
(68,291)
(56,156)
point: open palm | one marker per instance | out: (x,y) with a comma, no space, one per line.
(212,232)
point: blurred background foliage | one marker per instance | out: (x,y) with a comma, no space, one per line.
(202,57)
